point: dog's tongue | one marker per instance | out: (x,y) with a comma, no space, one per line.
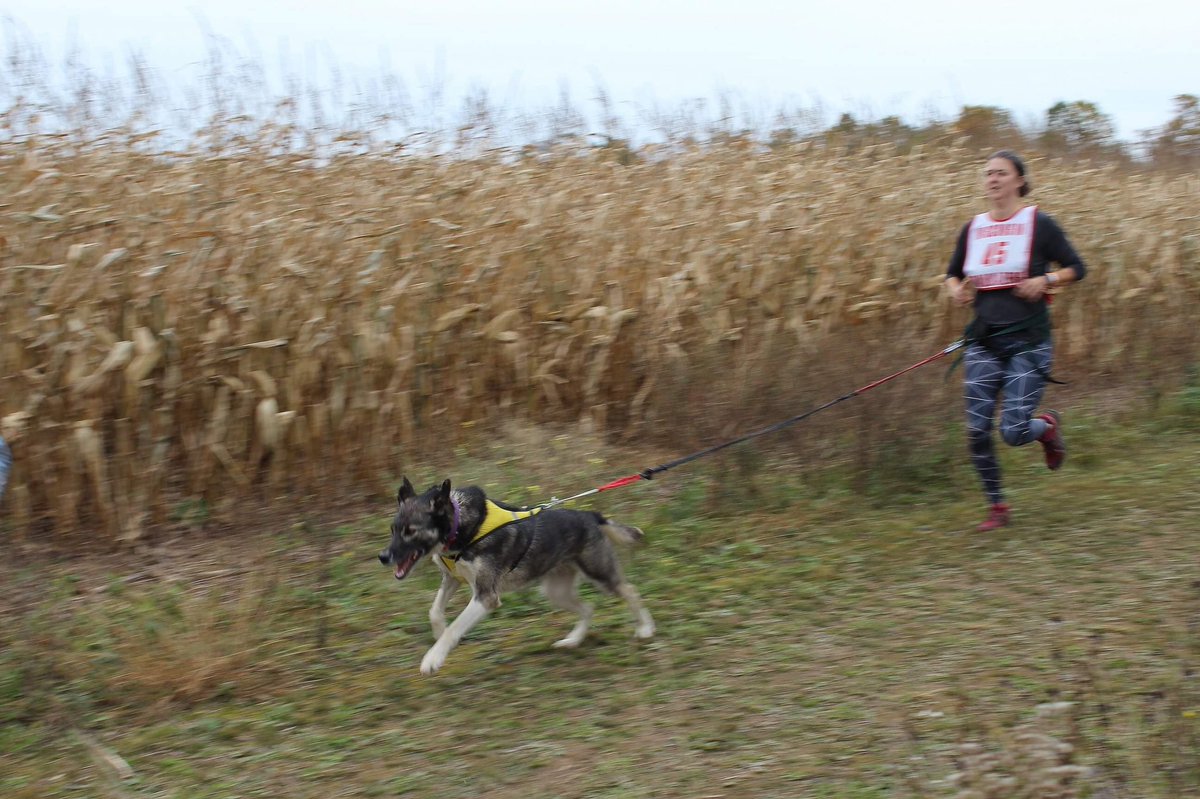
(405,566)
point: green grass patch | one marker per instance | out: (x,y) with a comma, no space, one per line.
(814,640)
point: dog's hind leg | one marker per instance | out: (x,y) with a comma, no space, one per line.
(644,625)
(559,586)
(437,611)
(601,567)
(475,611)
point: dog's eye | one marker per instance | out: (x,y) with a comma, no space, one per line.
(406,533)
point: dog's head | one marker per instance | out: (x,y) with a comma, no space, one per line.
(421,523)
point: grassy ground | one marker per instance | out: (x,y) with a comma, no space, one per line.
(818,637)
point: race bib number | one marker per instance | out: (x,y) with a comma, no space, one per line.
(998,252)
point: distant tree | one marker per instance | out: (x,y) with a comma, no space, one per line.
(849,132)
(846,132)
(1178,141)
(782,138)
(892,128)
(987,126)
(1079,128)
(846,125)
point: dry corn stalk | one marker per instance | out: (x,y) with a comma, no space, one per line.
(265,302)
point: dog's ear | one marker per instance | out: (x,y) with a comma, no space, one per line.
(443,495)
(406,492)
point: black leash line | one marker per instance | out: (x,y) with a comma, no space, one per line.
(648,474)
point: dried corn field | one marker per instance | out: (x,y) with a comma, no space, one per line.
(200,323)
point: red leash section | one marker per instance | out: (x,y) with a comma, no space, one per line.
(956,345)
(623,481)
(648,474)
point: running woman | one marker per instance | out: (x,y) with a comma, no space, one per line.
(1004,255)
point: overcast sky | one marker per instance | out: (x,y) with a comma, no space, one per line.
(912,58)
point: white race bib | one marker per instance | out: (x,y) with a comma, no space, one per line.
(998,253)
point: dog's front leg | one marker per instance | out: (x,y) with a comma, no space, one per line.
(437,611)
(473,613)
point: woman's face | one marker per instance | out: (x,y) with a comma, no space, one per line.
(1001,181)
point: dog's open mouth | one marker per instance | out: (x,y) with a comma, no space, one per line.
(403,567)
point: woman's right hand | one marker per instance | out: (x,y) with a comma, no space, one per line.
(959,291)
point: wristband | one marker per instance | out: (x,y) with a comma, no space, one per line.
(1051,278)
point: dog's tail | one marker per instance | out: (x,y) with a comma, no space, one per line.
(622,533)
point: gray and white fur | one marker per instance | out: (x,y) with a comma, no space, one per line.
(554,546)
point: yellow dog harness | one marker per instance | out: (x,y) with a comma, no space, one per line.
(495,518)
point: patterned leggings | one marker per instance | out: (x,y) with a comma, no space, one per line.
(1021,378)
(5,463)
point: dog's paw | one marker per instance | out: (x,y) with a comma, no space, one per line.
(644,631)
(438,629)
(570,642)
(433,660)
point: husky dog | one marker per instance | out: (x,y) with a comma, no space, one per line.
(496,548)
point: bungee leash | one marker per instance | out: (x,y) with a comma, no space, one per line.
(648,474)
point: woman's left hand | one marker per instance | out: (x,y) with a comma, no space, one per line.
(1031,289)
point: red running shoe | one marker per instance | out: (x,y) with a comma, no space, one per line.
(1052,440)
(997,518)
